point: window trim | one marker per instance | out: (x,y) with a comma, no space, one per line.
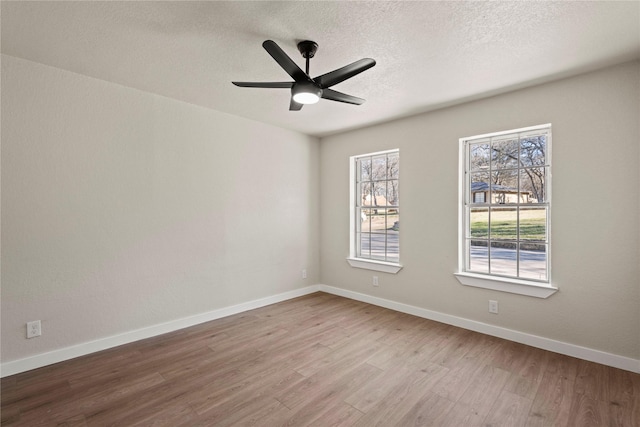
(539,289)
(353,259)
(375,265)
(506,284)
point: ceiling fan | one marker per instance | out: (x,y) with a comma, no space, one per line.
(304,89)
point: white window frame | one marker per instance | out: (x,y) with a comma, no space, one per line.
(354,222)
(540,289)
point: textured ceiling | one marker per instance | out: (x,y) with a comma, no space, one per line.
(429,54)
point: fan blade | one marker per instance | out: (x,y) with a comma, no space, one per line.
(295,106)
(285,62)
(284,85)
(341,74)
(334,95)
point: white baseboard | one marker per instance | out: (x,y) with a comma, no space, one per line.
(44,359)
(573,350)
(49,358)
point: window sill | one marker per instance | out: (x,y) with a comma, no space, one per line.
(514,286)
(368,264)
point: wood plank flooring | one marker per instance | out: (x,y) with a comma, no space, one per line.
(323,360)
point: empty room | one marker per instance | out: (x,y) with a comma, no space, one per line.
(201,220)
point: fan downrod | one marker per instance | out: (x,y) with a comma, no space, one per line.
(307,48)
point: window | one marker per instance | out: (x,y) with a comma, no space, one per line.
(505,210)
(479,197)
(375,211)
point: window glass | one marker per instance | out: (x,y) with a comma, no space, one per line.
(505,223)
(377,207)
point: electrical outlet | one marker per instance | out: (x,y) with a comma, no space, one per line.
(304,273)
(375,280)
(493,306)
(34,329)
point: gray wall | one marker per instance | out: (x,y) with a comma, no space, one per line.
(595,214)
(122,209)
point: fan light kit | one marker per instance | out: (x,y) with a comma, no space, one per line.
(304,89)
(306,93)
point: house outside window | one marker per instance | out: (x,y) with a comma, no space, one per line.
(375,211)
(505,210)
(479,196)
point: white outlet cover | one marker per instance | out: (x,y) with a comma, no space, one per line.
(493,306)
(34,329)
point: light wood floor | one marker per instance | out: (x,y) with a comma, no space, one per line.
(322,360)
